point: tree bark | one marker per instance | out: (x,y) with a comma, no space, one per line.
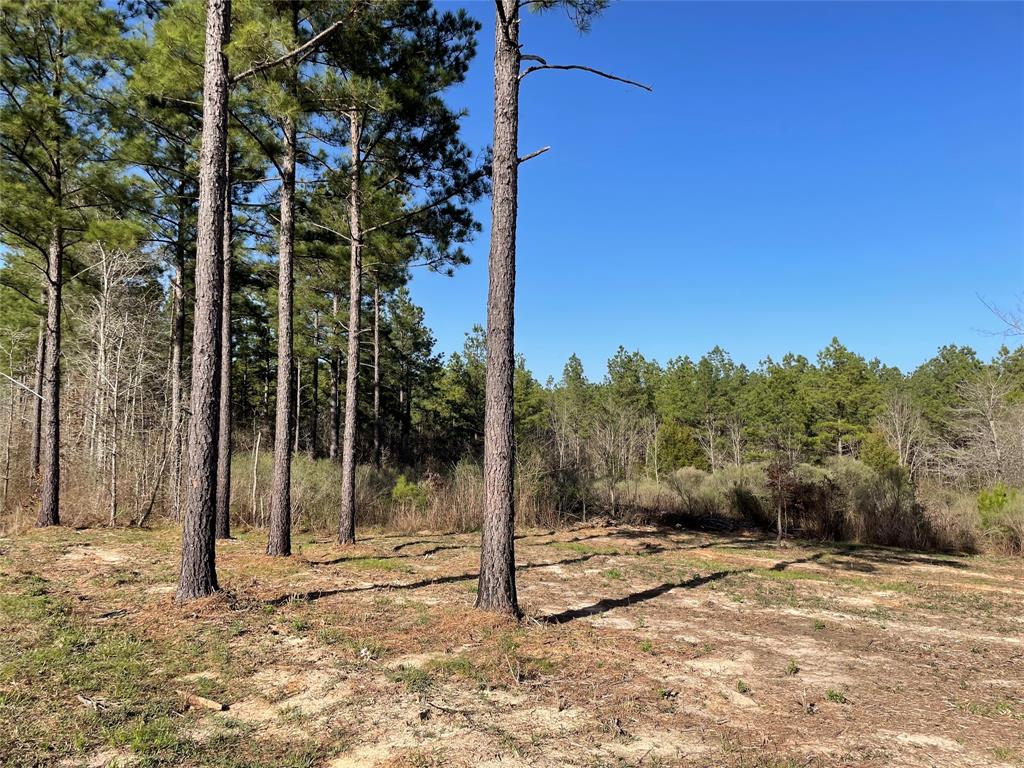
(279,541)
(198,568)
(335,409)
(296,424)
(223,526)
(347,519)
(177,351)
(497,587)
(376,378)
(314,411)
(37,404)
(49,510)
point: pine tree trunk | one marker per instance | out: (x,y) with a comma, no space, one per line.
(49,510)
(279,541)
(347,519)
(314,411)
(177,352)
(376,378)
(335,414)
(298,406)
(223,527)
(37,404)
(198,567)
(497,586)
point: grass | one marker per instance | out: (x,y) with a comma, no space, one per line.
(836,697)
(377,564)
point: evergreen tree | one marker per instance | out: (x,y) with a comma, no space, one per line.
(60,72)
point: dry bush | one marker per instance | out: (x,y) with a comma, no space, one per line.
(952,516)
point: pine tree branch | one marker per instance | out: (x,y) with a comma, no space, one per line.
(532,155)
(306,48)
(543,64)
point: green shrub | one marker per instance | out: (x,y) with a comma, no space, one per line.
(408,492)
(1001,513)
(876,453)
(993,501)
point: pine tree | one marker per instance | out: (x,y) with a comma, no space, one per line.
(198,568)
(497,588)
(387,73)
(61,68)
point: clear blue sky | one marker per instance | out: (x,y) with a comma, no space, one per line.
(801,171)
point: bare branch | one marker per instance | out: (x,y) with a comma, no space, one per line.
(543,64)
(532,155)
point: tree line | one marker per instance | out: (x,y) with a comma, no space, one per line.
(210,213)
(203,203)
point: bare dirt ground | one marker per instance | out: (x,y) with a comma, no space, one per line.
(641,647)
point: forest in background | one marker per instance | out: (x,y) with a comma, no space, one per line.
(346,174)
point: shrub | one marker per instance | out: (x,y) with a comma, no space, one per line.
(1001,514)
(741,492)
(406,492)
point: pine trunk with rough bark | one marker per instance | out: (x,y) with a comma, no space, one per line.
(49,510)
(497,586)
(198,568)
(177,351)
(314,409)
(37,405)
(347,519)
(279,541)
(223,528)
(335,405)
(377,450)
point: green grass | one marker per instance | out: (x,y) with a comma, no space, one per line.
(584,549)
(377,564)
(836,697)
(50,655)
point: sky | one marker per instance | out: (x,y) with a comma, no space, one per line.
(801,171)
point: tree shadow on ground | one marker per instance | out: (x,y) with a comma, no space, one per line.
(318,594)
(784,564)
(869,554)
(610,603)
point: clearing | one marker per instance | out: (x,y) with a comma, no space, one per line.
(641,647)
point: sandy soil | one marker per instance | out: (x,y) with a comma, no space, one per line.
(640,647)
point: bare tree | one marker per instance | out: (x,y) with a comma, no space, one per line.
(708,436)
(904,431)
(989,446)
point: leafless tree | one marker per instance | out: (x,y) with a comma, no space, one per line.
(904,430)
